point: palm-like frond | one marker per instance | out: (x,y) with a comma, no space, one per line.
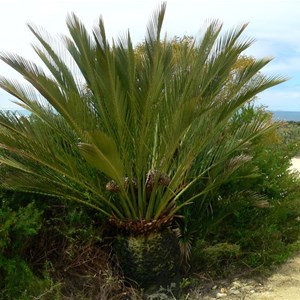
(127,119)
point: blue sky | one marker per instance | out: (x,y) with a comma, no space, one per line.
(274,24)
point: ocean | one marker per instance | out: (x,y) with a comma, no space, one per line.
(286,115)
(277,115)
(21,112)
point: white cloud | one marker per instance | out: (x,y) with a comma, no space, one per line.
(287,65)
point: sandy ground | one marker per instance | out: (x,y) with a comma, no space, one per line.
(295,165)
(283,285)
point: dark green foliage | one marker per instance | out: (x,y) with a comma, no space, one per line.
(72,223)
(290,132)
(20,221)
(214,258)
(15,225)
(265,235)
(53,250)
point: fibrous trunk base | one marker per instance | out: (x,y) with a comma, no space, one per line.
(152,261)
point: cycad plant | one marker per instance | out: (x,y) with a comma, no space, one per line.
(121,130)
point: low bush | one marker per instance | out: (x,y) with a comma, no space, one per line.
(256,217)
(18,225)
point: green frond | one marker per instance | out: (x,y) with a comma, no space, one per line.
(103,154)
(155,25)
(54,63)
(111,114)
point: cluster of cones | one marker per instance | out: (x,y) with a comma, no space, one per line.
(152,177)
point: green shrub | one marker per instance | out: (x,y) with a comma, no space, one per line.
(19,223)
(256,208)
(213,257)
(20,283)
(51,250)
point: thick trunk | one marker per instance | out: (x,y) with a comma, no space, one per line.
(151,260)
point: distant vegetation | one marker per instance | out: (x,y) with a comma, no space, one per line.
(290,132)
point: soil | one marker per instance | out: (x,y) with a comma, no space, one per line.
(284,284)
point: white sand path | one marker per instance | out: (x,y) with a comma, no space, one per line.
(295,165)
